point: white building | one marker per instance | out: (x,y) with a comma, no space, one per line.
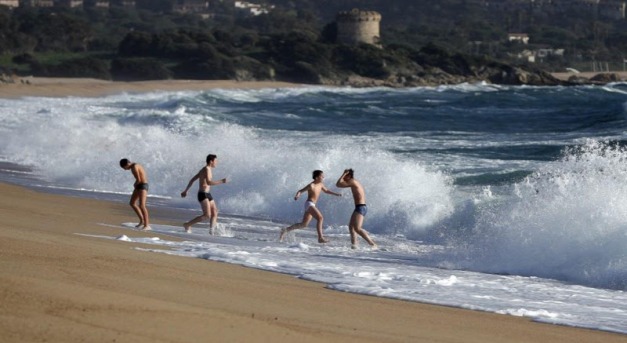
(10,3)
(254,9)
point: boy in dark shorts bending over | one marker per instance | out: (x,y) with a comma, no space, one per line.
(140,192)
(208,205)
(357,218)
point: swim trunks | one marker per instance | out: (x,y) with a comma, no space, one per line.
(361,209)
(308,204)
(204,195)
(141,186)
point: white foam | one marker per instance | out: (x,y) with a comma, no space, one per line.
(400,274)
(77,145)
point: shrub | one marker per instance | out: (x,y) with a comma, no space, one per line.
(139,69)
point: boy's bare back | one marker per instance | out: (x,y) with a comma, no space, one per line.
(139,173)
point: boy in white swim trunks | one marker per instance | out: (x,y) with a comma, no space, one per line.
(357,218)
(313,192)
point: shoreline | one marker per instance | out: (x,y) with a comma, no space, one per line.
(87,87)
(564,76)
(60,284)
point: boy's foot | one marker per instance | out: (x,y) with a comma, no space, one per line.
(353,246)
(323,240)
(187,228)
(283,232)
(146,228)
(139,225)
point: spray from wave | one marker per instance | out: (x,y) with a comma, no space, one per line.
(567,221)
(79,143)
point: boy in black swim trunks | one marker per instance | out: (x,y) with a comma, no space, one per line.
(208,205)
(140,192)
(357,218)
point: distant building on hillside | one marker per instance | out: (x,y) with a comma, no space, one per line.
(253,9)
(37,3)
(356,26)
(69,3)
(96,3)
(10,3)
(189,6)
(123,3)
(518,37)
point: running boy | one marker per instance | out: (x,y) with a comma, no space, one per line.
(311,211)
(208,205)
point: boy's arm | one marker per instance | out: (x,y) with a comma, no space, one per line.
(135,173)
(300,191)
(191,182)
(221,181)
(209,177)
(328,191)
(341,182)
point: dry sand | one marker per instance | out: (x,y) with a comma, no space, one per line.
(63,87)
(59,286)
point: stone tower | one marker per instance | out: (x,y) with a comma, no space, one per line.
(356,26)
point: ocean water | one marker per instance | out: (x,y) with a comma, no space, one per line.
(502,199)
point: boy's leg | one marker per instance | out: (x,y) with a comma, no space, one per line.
(143,195)
(205,215)
(320,219)
(134,198)
(357,221)
(306,219)
(213,213)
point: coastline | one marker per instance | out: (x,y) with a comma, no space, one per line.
(564,76)
(85,87)
(61,282)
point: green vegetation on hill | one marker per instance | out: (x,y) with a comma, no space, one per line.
(423,42)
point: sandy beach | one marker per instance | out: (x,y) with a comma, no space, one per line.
(63,283)
(64,87)
(60,285)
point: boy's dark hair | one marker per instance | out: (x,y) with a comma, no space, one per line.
(210,158)
(316,173)
(350,172)
(124,162)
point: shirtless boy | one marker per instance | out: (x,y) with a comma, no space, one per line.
(313,192)
(357,218)
(208,205)
(140,192)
